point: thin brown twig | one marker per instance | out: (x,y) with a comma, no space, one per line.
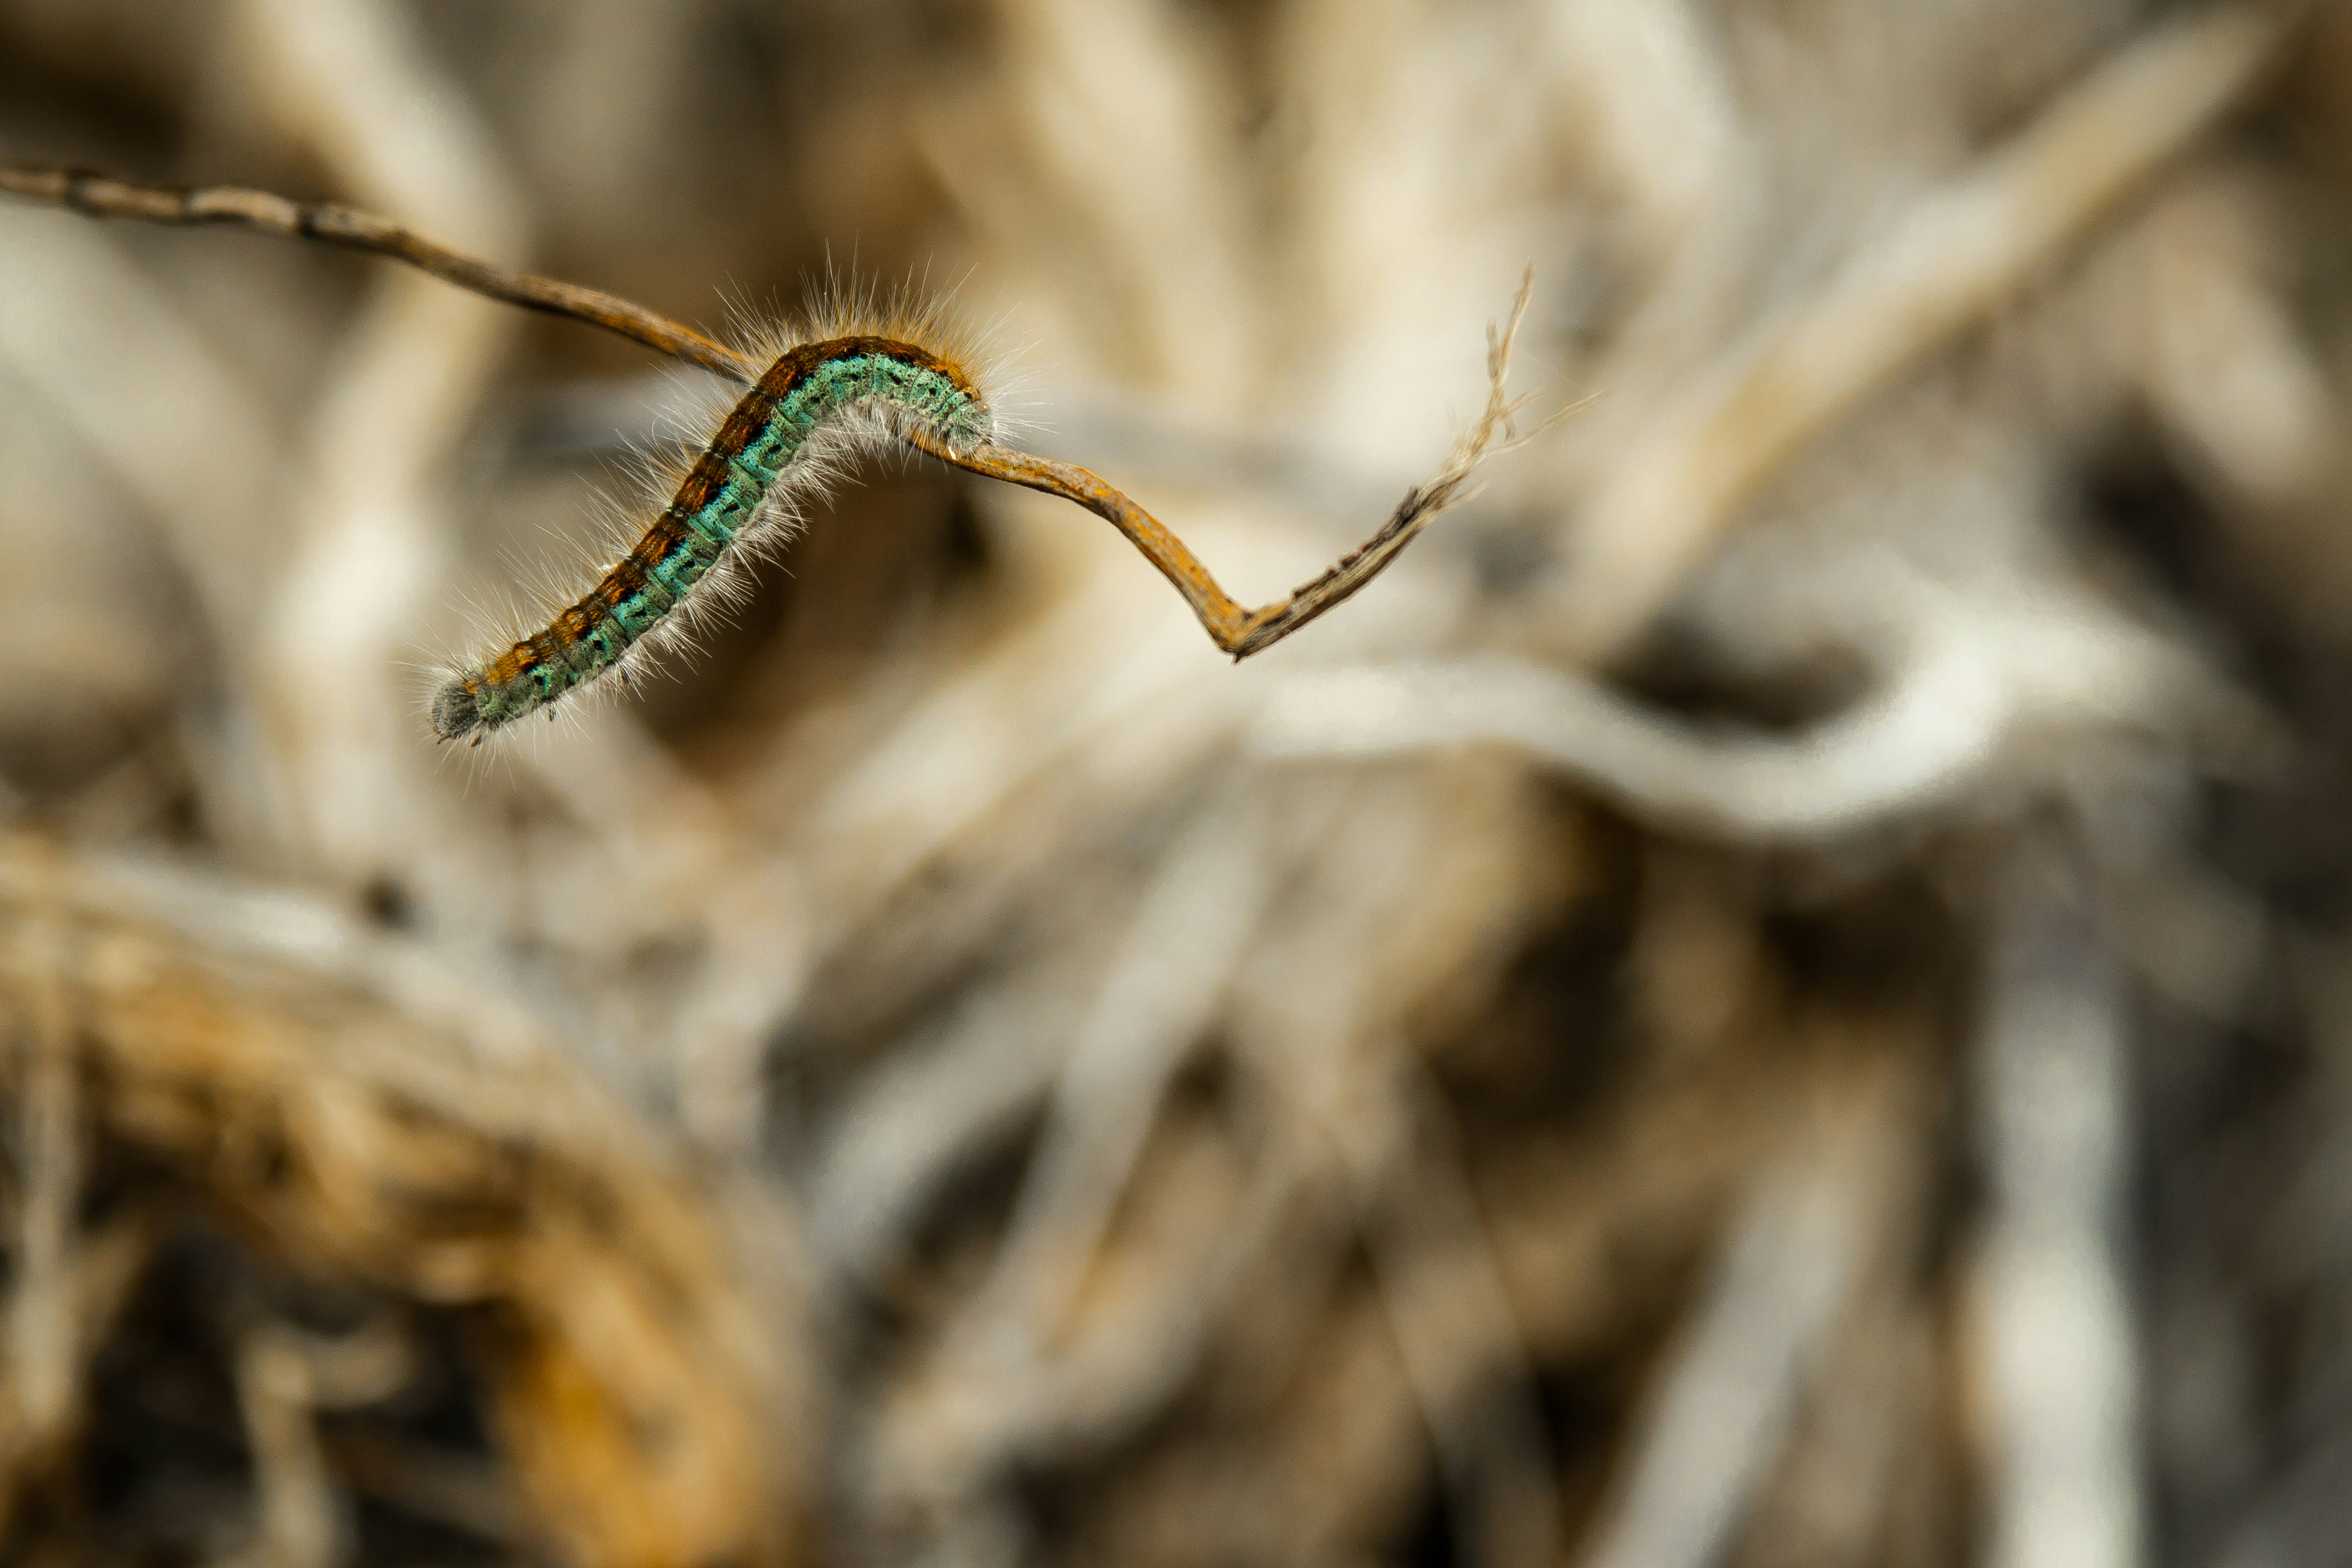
(96,195)
(1236,629)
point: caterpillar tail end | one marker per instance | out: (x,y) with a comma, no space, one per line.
(455,712)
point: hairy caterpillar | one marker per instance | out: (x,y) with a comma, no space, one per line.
(856,381)
(868,382)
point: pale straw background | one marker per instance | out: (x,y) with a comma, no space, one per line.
(1779,992)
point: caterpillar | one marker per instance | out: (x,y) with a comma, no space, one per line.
(855,380)
(890,380)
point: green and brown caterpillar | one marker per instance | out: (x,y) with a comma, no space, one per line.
(861,381)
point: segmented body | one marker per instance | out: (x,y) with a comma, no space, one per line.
(776,431)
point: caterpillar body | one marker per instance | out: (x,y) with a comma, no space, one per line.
(818,403)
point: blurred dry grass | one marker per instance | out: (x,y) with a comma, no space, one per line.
(1778,992)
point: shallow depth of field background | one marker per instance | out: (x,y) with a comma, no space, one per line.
(1779,992)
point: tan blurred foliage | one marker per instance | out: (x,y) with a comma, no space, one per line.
(1771,995)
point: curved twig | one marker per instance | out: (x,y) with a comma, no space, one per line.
(1236,629)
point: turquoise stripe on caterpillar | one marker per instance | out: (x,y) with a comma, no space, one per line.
(719,501)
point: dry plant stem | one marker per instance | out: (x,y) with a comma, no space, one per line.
(1158,999)
(1444,1292)
(101,195)
(42,1344)
(1243,632)
(1954,257)
(1732,1394)
(2054,1282)
(1236,630)
(297,1499)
